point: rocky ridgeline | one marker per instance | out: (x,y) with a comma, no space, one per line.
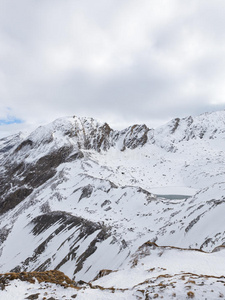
(28,163)
(56,196)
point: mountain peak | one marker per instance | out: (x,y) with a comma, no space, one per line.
(80,197)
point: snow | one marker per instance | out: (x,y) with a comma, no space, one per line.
(117,190)
(20,290)
(174,190)
(166,272)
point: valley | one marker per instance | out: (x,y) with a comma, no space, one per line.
(146,204)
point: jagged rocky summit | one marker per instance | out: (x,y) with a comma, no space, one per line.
(80,197)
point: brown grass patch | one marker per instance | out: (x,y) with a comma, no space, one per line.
(52,276)
(190,294)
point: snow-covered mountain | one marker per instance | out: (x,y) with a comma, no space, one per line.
(80,197)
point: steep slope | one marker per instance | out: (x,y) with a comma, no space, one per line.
(77,196)
(152,272)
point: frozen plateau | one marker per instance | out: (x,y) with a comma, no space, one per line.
(131,214)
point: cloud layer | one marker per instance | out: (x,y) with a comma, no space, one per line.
(120,61)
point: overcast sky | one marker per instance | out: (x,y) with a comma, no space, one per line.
(120,61)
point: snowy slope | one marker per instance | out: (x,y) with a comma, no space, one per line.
(77,196)
(152,272)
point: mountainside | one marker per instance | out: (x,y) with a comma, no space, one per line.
(80,197)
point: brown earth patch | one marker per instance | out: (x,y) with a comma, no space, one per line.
(52,276)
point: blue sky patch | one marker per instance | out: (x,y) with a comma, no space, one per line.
(10,120)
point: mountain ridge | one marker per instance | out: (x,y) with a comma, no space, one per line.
(78,196)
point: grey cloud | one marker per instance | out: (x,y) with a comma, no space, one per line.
(110,58)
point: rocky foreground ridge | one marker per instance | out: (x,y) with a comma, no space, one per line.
(79,197)
(143,278)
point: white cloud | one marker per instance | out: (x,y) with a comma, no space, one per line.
(126,61)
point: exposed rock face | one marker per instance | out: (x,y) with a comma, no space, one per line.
(98,138)
(134,136)
(19,174)
(25,144)
(9,142)
(57,223)
(77,194)
(34,160)
(14,199)
(208,125)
